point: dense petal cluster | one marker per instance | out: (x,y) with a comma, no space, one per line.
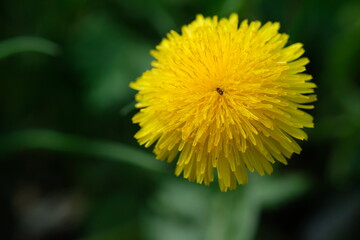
(226,97)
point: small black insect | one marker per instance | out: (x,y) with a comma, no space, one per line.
(220,91)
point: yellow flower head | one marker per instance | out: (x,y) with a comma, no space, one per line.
(225,97)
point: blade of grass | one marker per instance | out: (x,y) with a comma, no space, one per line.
(25,44)
(68,143)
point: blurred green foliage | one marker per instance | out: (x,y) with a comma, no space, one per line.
(72,170)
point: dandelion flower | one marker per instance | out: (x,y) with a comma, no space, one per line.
(222,98)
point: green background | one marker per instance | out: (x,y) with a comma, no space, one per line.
(71,169)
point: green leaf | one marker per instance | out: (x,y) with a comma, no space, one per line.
(109,56)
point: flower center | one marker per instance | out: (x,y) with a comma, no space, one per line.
(220,91)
